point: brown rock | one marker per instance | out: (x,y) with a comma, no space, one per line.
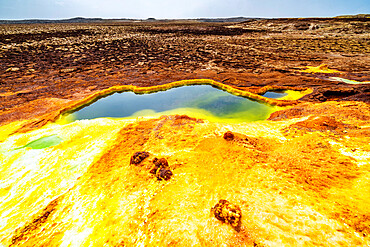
(138,157)
(158,164)
(163,174)
(13,69)
(228,213)
(229,136)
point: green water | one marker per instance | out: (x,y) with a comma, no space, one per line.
(202,101)
(44,142)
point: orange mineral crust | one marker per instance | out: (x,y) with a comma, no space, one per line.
(294,181)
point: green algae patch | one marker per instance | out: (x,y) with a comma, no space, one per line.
(237,117)
(75,146)
(44,142)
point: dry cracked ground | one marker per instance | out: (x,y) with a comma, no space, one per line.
(300,178)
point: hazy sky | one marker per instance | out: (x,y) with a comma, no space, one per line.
(57,9)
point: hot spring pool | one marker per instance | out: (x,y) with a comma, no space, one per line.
(202,101)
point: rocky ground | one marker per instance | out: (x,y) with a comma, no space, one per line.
(42,66)
(300,178)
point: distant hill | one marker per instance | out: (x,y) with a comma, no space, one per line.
(354,16)
(97,20)
(71,20)
(231,19)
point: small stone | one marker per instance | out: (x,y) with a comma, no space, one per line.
(163,174)
(150,72)
(13,69)
(159,163)
(228,213)
(67,70)
(229,136)
(138,157)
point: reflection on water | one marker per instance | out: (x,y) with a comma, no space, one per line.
(198,100)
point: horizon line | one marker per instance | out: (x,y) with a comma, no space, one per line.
(189,18)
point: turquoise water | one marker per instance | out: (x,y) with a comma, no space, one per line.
(274,95)
(198,101)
